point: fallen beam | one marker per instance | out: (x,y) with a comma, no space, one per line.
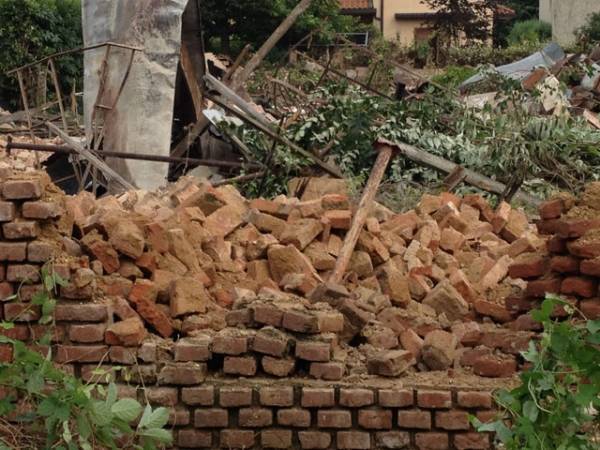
(384,154)
(471,177)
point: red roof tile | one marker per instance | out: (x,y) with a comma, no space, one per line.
(356,4)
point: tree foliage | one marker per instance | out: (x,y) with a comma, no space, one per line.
(32,29)
(590,32)
(252,21)
(456,18)
(530,32)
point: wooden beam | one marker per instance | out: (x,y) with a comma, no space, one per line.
(473,178)
(385,153)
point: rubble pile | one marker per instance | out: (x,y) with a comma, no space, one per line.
(244,282)
(570,263)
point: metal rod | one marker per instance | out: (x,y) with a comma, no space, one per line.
(137,156)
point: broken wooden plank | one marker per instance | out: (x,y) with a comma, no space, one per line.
(108,172)
(473,178)
(202,124)
(334,171)
(455,177)
(385,152)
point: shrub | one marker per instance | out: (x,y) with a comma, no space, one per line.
(590,32)
(33,29)
(530,31)
(453,76)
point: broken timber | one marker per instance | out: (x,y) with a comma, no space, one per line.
(242,110)
(108,172)
(384,154)
(198,128)
(473,178)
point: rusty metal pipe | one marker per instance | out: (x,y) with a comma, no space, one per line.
(137,156)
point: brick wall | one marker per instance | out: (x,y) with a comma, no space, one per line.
(210,406)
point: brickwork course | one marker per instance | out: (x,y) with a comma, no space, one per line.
(220,306)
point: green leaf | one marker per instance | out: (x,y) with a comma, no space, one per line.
(530,410)
(593,326)
(154,419)
(158,434)
(127,409)
(35,383)
(586,394)
(83,426)
(101,413)
(67,432)
(111,395)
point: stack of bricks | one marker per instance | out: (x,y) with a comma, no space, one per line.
(569,265)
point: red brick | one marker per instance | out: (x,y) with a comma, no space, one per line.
(582,286)
(471,441)
(41,210)
(163,396)
(331,371)
(6,291)
(375,419)
(487,416)
(20,230)
(21,312)
(539,288)
(267,315)
(80,313)
(590,308)
(392,439)
(184,374)
(87,333)
(192,349)
(276,396)
(434,399)
(276,439)
(396,398)
(7,211)
(271,341)
(295,417)
(21,189)
(591,267)
(556,244)
(474,399)
(211,418)
(38,251)
(551,209)
(278,367)
(242,439)
(452,420)
(17,332)
(255,417)
(230,344)
(334,419)
(432,441)
(194,439)
(6,353)
(301,322)
(314,440)
(317,397)
(122,355)
(528,267)
(356,398)
(564,264)
(82,353)
(13,251)
(143,295)
(240,365)
(414,419)
(198,396)
(495,366)
(235,397)
(353,440)
(23,273)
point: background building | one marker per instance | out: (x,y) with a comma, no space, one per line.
(566,17)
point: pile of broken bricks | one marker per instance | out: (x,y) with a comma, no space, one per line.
(424,290)
(569,265)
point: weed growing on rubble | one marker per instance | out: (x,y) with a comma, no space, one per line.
(555,407)
(44,407)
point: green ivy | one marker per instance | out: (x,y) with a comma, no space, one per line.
(556,405)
